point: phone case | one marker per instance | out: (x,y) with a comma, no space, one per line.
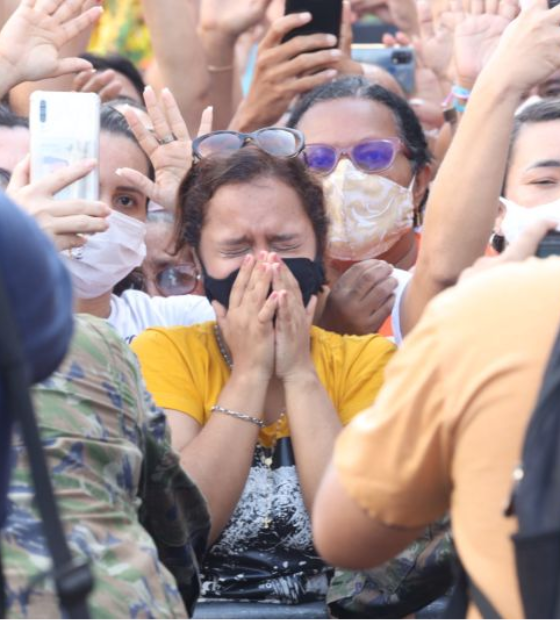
(327,16)
(64,129)
(398,61)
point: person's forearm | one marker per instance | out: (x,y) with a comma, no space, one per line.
(220,58)
(220,457)
(314,426)
(464,197)
(179,54)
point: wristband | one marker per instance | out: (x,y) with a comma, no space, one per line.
(460,92)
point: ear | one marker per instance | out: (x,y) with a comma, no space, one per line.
(499,219)
(421,183)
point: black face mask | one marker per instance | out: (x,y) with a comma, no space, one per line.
(309,274)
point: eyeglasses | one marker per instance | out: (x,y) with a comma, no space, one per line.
(276,141)
(172,280)
(369,155)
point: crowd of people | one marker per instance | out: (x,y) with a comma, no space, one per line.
(284,363)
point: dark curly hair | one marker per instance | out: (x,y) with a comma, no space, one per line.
(354,87)
(206,177)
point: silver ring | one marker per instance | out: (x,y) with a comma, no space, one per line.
(168,139)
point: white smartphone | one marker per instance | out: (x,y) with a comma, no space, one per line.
(64,129)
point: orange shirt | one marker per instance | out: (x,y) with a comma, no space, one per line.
(447,428)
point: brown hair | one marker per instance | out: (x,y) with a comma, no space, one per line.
(206,177)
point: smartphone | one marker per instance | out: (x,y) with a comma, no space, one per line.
(64,129)
(398,61)
(326,17)
(553,3)
(550,245)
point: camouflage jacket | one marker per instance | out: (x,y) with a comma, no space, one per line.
(104,443)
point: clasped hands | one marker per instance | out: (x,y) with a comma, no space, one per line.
(267,327)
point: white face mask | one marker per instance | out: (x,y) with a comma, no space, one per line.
(517,218)
(107,257)
(368,213)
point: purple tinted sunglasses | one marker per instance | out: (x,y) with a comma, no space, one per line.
(368,155)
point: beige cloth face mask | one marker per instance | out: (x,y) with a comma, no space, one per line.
(368,213)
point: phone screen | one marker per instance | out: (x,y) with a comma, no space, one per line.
(327,15)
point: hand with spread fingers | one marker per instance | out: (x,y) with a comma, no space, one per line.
(478,27)
(285,70)
(64,221)
(31,40)
(168,145)
(249,318)
(361,299)
(105,83)
(292,349)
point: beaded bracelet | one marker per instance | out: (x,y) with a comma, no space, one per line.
(238,415)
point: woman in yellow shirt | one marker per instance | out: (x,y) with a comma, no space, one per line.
(256,400)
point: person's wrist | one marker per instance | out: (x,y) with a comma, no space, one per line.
(302,377)
(217,34)
(251,377)
(246,118)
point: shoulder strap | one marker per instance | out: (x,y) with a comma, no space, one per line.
(73,578)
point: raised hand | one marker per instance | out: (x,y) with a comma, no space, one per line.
(477,30)
(232,17)
(64,221)
(105,83)
(529,50)
(168,146)
(285,70)
(361,299)
(247,325)
(32,38)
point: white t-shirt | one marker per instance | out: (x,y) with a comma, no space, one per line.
(403,278)
(135,311)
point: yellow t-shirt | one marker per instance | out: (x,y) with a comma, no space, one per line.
(185,371)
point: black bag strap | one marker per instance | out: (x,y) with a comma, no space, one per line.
(73,577)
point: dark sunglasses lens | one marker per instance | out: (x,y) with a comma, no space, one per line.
(278,142)
(375,155)
(219,144)
(320,158)
(177,280)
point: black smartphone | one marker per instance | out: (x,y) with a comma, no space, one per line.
(553,3)
(327,16)
(550,245)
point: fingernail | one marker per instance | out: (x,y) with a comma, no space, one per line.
(118,172)
(331,39)
(89,163)
(165,90)
(336,53)
(262,255)
(305,17)
(331,73)
(274,296)
(247,259)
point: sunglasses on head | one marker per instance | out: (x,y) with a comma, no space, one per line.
(368,155)
(172,280)
(276,141)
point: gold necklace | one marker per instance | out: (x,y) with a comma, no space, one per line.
(265,460)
